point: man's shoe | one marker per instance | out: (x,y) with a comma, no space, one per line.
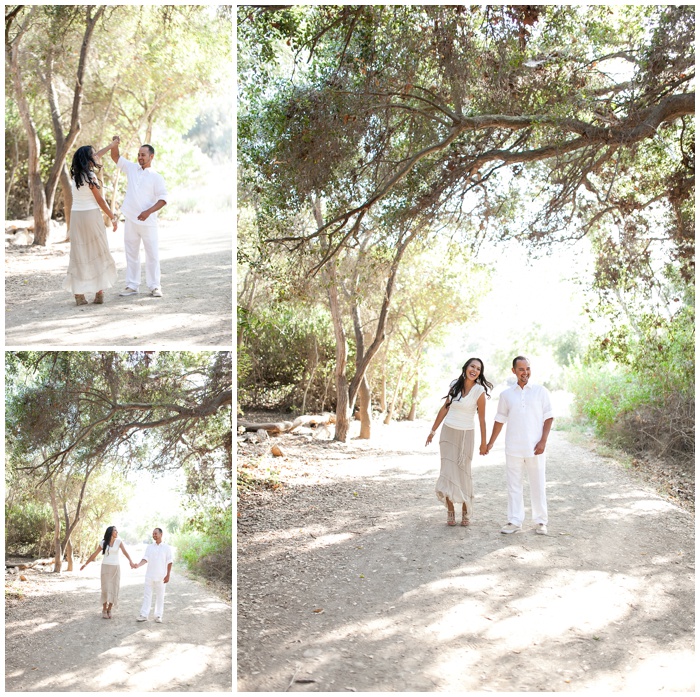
(141,618)
(128,291)
(156,293)
(159,620)
(510,528)
(541,529)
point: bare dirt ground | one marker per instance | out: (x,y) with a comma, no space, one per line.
(57,641)
(195,310)
(350,580)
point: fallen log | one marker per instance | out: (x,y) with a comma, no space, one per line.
(273,428)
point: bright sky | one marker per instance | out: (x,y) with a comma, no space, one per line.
(526,292)
(155,499)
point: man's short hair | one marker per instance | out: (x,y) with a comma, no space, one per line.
(159,530)
(150,148)
(518,358)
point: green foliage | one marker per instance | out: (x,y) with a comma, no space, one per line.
(28,528)
(206,547)
(287,348)
(604,391)
(637,382)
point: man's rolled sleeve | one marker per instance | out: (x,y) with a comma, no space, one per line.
(161,193)
(547,412)
(502,411)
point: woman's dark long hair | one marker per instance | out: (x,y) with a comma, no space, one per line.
(83,164)
(456,389)
(107,538)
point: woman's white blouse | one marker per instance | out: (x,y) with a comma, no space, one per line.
(83,199)
(462,410)
(111,555)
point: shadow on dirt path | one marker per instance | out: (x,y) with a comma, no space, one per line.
(352,581)
(195,310)
(57,641)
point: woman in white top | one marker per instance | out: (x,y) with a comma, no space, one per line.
(109,576)
(466,396)
(91,267)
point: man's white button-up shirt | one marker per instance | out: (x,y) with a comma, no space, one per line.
(158,556)
(525,410)
(145,187)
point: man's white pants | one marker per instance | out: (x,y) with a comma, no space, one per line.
(535,466)
(157,585)
(133,236)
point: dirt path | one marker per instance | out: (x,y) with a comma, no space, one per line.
(195,310)
(349,579)
(57,641)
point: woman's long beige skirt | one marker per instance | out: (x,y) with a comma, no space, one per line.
(91,266)
(455,480)
(109,579)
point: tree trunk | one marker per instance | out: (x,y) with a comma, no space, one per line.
(364,402)
(342,386)
(382,392)
(13,173)
(342,418)
(67,199)
(69,555)
(390,410)
(414,402)
(58,552)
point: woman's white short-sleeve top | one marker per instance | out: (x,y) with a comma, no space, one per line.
(461,412)
(83,199)
(111,555)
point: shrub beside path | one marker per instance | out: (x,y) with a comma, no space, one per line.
(349,579)
(57,641)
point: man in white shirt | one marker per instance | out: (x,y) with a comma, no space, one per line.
(145,196)
(528,410)
(159,558)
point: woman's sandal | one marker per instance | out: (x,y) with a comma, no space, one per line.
(451,518)
(99,298)
(465,519)
(80,300)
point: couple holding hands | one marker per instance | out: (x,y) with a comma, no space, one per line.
(157,555)
(527,410)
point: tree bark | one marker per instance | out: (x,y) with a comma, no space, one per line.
(414,402)
(58,552)
(364,401)
(67,199)
(392,404)
(342,417)
(13,173)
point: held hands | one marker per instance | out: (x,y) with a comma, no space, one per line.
(483,449)
(133,566)
(114,224)
(117,139)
